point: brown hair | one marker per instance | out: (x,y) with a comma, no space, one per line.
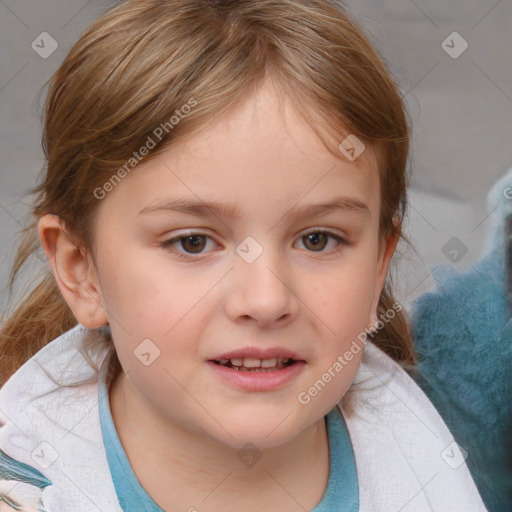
(143,59)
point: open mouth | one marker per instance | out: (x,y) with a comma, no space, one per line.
(249,364)
(250,373)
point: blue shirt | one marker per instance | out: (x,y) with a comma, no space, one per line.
(342,491)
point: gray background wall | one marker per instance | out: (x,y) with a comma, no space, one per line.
(460,105)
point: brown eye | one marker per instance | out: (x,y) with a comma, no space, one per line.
(187,245)
(315,241)
(193,244)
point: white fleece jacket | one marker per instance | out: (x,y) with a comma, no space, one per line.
(407,460)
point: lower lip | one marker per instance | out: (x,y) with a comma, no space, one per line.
(258,381)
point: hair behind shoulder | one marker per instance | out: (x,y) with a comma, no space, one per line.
(141,62)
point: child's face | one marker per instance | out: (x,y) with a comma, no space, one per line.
(253,280)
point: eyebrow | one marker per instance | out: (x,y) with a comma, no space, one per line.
(232,211)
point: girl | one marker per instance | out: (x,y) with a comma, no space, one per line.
(224,193)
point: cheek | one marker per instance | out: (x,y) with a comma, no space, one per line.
(343,298)
(340,308)
(144,295)
(159,303)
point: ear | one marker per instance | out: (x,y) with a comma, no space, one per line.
(74,272)
(386,251)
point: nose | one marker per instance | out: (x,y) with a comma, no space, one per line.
(262,290)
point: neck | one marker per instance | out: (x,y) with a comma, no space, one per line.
(192,470)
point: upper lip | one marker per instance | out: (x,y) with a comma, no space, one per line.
(259,353)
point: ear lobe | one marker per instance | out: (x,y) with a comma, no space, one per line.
(74,272)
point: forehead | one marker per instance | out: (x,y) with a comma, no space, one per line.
(259,158)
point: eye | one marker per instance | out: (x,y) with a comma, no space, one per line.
(192,243)
(317,240)
(185,246)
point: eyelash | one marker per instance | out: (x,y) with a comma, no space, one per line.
(167,244)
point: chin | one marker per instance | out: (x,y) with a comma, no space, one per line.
(269,433)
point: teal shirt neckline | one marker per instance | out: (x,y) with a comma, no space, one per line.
(342,492)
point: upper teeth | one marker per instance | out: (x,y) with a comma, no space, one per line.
(250,362)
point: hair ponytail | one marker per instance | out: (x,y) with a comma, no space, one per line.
(41,316)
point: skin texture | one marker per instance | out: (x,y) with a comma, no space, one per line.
(175,416)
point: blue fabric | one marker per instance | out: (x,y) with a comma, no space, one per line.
(130,493)
(342,491)
(11,469)
(463,335)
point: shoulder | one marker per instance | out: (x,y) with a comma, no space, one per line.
(50,432)
(405,455)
